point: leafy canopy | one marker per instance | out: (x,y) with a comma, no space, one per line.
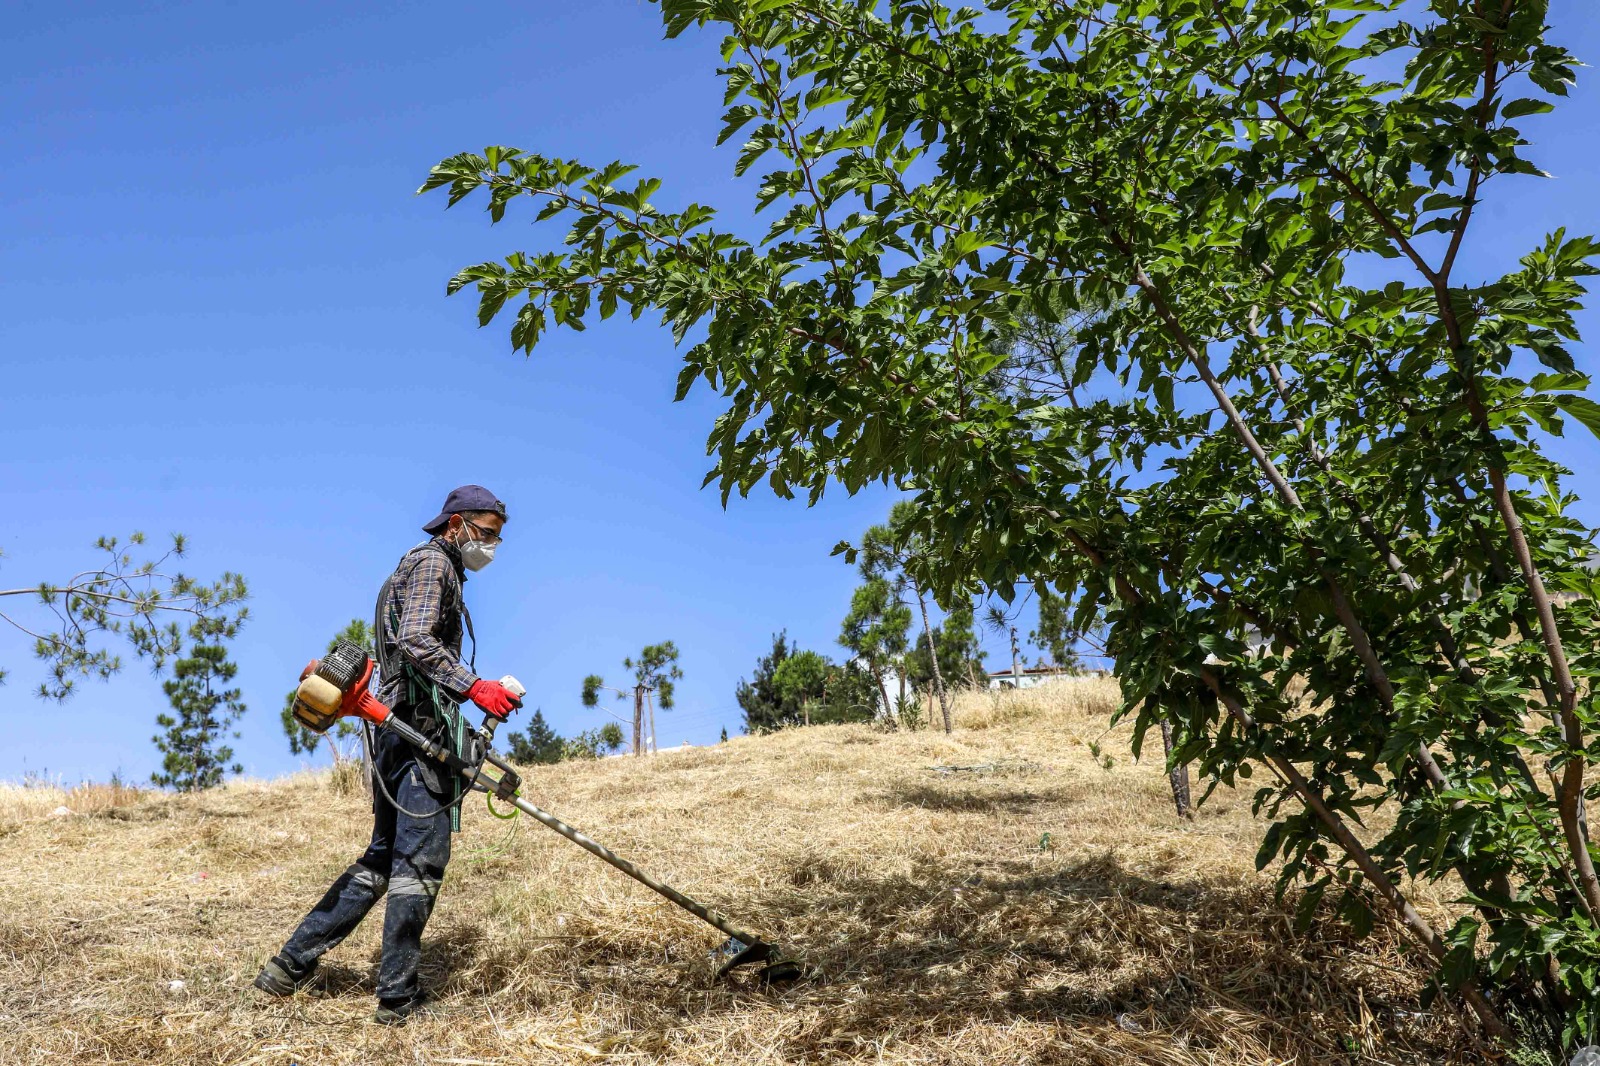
(1238,442)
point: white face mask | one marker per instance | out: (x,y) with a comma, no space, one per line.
(475,554)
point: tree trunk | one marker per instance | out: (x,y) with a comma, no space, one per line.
(650,702)
(1016,661)
(1177,775)
(933,657)
(883,690)
(638,721)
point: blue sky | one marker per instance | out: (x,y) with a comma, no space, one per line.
(222,312)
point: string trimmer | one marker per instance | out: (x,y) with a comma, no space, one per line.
(336,686)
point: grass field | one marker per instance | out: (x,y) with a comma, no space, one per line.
(992,897)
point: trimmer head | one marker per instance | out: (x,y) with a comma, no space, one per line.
(778,970)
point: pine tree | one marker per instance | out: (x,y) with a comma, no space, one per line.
(801,681)
(196,756)
(655,674)
(1055,636)
(958,645)
(303,741)
(593,743)
(875,632)
(122,596)
(960,657)
(758,697)
(539,746)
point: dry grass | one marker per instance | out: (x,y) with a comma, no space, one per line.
(43,799)
(1030,908)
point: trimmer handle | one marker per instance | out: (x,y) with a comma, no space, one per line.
(490,722)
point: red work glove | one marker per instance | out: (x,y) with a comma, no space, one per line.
(493,697)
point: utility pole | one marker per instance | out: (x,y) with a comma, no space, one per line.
(1000,622)
(638,720)
(654,746)
(655,671)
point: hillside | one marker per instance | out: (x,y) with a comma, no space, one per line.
(1021,905)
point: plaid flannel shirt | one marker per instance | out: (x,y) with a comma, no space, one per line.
(429,634)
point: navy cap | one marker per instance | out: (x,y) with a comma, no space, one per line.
(466,498)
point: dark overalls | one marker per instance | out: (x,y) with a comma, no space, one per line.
(419,630)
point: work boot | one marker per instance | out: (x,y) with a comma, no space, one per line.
(278,977)
(396,1011)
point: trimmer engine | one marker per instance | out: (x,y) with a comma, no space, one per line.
(335,687)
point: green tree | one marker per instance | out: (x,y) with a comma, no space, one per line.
(593,743)
(957,640)
(802,684)
(758,698)
(1055,635)
(960,656)
(193,741)
(539,745)
(1037,352)
(852,696)
(303,741)
(141,600)
(655,673)
(1247,439)
(897,554)
(875,631)
(791,687)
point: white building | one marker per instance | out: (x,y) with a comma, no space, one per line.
(1034,676)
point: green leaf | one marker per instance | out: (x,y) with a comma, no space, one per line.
(1526,106)
(735,120)
(1581,408)
(1269,846)
(1163,390)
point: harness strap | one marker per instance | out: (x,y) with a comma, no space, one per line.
(419,687)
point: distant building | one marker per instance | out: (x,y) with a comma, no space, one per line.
(624,753)
(1034,676)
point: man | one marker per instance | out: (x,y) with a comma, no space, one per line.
(416,801)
